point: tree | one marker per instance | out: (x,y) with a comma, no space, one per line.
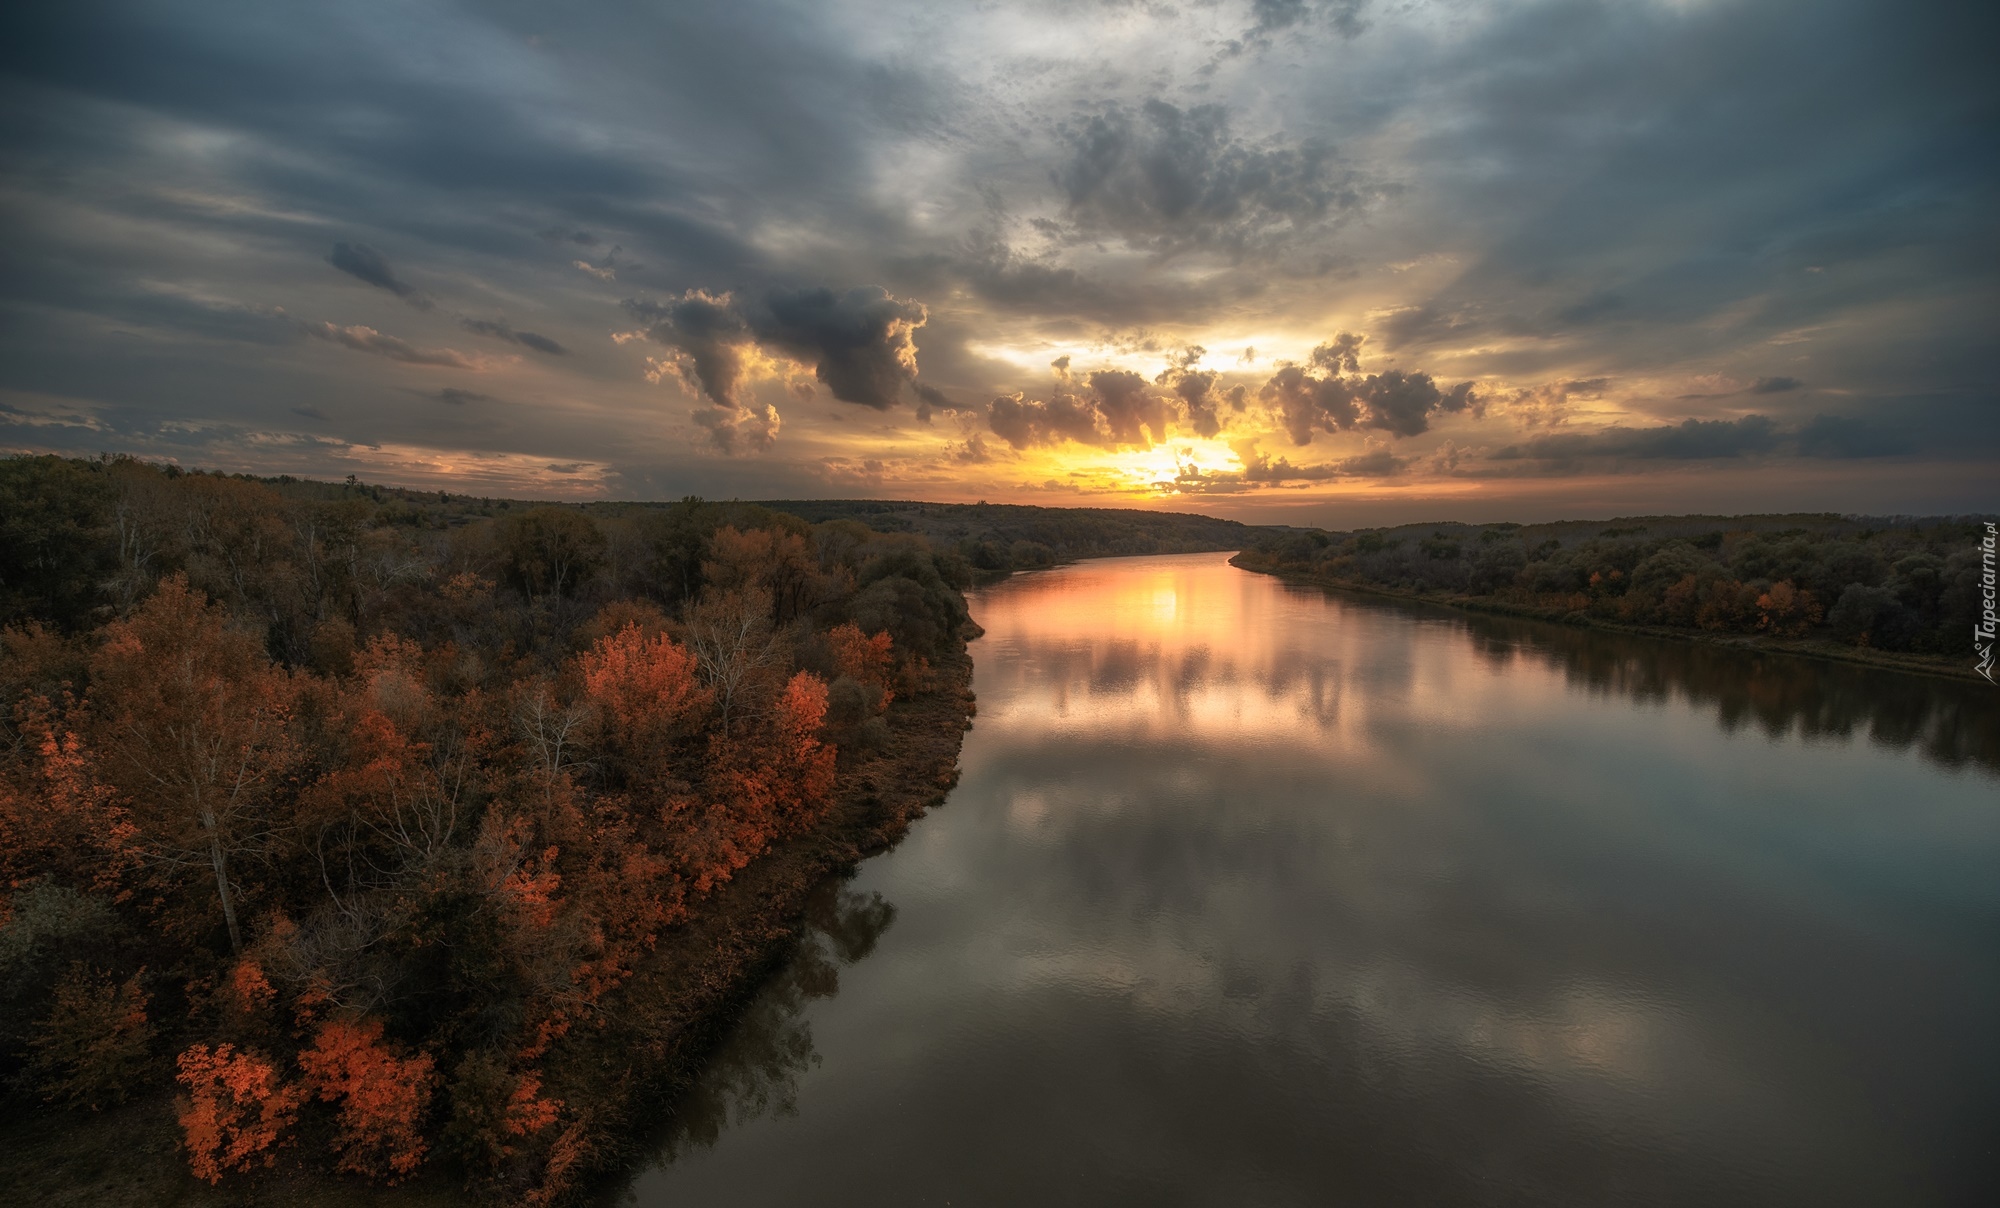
(647,692)
(804,763)
(193,729)
(779,564)
(92,1048)
(1787,610)
(736,650)
(869,659)
(55,546)
(494,1109)
(550,551)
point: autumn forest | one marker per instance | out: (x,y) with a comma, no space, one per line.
(335,821)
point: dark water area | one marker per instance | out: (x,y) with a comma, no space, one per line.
(1256,894)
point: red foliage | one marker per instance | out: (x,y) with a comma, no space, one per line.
(246,992)
(527,1112)
(382,1097)
(801,759)
(768,784)
(869,659)
(1786,610)
(647,694)
(237,1109)
(61,819)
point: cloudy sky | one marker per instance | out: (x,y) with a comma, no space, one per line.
(1320,261)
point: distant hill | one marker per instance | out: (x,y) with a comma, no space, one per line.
(999,537)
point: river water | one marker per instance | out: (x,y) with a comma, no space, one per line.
(1257,894)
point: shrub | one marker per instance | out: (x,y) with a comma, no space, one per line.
(237,1110)
(382,1097)
(92,1048)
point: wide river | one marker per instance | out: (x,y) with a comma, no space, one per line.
(1254,894)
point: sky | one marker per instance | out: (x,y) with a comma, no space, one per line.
(1290,261)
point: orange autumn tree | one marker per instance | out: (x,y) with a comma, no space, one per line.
(237,1109)
(193,729)
(1787,610)
(382,1097)
(802,763)
(867,658)
(776,780)
(648,697)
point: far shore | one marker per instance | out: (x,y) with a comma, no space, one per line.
(1940,666)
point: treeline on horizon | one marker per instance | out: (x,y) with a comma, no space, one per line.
(331,811)
(1902,584)
(998,538)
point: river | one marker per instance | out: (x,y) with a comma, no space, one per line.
(1256,894)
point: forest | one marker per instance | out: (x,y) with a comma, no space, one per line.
(1899,585)
(334,818)
(998,538)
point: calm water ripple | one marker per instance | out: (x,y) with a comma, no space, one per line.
(1253,894)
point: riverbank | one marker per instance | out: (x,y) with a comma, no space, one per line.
(1918,664)
(616,1078)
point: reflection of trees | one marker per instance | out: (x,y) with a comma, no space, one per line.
(755,1071)
(1949,723)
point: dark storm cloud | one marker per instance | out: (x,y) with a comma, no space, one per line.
(1132,414)
(1023,422)
(1849,436)
(709,334)
(711,340)
(930,399)
(1780,193)
(1381,463)
(527,339)
(338,111)
(1168,178)
(1394,401)
(364,263)
(1689,440)
(858,343)
(1763,385)
(1261,471)
(1114,410)
(458,398)
(1196,390)
(1684,180)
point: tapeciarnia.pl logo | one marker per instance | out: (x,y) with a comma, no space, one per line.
(1983,629)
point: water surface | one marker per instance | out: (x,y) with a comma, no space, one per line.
(1253,894)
